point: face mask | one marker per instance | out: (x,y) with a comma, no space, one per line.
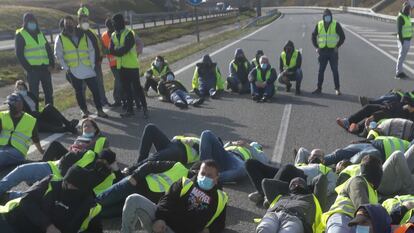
(205,183)
(327,18)
(88,135)
(85,26)
(22,92)
(373,125)
(170,77)
(263,66)
(31,26)
(362,229)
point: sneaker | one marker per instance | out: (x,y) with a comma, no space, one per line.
(102,114)
(338,92)
(180,104)
(343,122)
(85,113)
(127,114)
(256,197)
(198,102)
(265,99)
(363,100)
(318,91)
(399,75)
(214,94)
(145,113)
(288,87)
(256,98)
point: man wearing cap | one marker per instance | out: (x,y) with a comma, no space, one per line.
(371,218)
(54,206)
(262,80)
(17,129)
(404,34)
(35,55)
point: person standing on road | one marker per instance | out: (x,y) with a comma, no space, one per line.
(290,67)
(123,47)
(77,57)
(35,55)
(405,33)
(327,37)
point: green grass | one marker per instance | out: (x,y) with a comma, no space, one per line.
(10,70)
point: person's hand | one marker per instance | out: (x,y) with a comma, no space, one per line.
(52,229)
(409,205)
(159,226)
(132,181)
(205,230)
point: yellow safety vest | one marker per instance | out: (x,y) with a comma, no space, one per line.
(192,155)
(34,51)
(322,168)
(236,67)
(293,59)
(74,55)
(352,170)
(105,184)
(221,200)
(157,73)
(316,226)
(407,28)
(390,203)
(259,74)
(327,39)
(245,153)
(130,59)
(219,79)
(392,144)
(161,182)
(255,62)
(90,155)
(344,205)
(19,136)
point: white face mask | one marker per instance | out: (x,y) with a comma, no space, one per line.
(362,229)
(85,26)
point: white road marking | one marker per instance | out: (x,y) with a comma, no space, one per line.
(381,36)
(378,33)
(410,62)
(396,53)
(303,34)
(388,45)
(378,48)
(281,135)
(383,40)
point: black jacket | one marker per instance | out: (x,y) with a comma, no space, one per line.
(166,88)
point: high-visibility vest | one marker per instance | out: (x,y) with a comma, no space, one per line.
(242,151)
(93,211)
(161,182)
(106,41)
(157,73)
(255,62)
(105,184)
(392,144)
(130,59)
(90,155)
(19,136)
(222,199)
(72,54)
(390,203)
(327,39)
(352,170)
(236,67)
(407,28)
(259,74)
(98,41)
(34,51)
(316,226)
(344,205)
(192,155)
(219,79)
(293,59)
(322,168)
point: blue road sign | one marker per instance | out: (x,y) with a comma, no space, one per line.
(194,2)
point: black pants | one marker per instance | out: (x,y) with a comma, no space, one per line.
(166,149)
(41,75)
(150,82)
(80,97)
(257,171)
(54,152)
(326,56)
(132,87)
(50,120)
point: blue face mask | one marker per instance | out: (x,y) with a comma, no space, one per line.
(88,135)
(205,183)
(362,229)
(22,92)
(373,125)
(263,66)
(327,18)
(31,26)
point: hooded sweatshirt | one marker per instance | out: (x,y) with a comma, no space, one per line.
(381,221)
(288,58)
(242,72)
(206,74)
(339,31)
(20,44)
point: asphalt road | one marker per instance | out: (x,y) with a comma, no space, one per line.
(289,121)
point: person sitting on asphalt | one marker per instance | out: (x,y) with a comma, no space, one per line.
(239,70)
(158,72)
(400,208)
(207,80)
(190,205)
(375,112)
(231,156)
(17,130)
(290,67)
(355,192)
(173,91)
(49,120)
(396,127)
(393,95)
(262,80)
(371,218)
(294,208)
(91,138)
(151,180)
(67,205)
(255,62)
(180,149)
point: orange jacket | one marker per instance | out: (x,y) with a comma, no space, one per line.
(106,41)
(404,228)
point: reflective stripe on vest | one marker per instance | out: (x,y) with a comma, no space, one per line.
(161,182)
(72,54)
(245,153)
(236,67)
(293,59)
(222,199)
(391,203)
(10,205)
(344,204)
(54,167)
(327,39)
(19,136)
(130,59)
(93,212)
(392,144)
(105,184)
(157,74)
(192,155)
(407,28)
(259,74)
(34,51)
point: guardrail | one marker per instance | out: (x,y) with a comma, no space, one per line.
(261,19)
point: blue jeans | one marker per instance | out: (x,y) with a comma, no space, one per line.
(231,166)
(10,156)
(41,76)
(389,97)
(338,223)
(325,57)
(28,173)
(268,90)
(180,95)
(354,152)
(112,200)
